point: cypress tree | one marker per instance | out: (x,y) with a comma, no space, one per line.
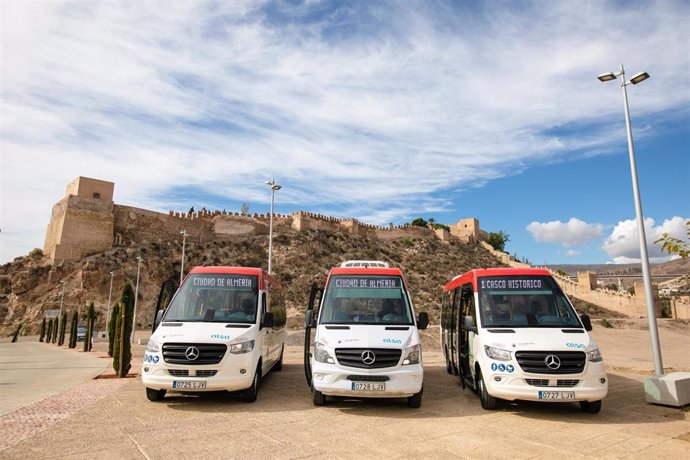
(53,339)
(16,333)
(73,330)
(116,340)
(42,332)
(126,302)
(63,328)
(49,335)
(89,328)
(114,315)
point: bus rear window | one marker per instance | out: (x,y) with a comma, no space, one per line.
(524,301)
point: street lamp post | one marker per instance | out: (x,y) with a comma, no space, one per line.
(62,295)
(136,297)
(107,315)
(653,331)
(274,187)
(184,238)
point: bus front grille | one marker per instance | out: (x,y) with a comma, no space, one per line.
(193,354)
(548,362)
(368,358)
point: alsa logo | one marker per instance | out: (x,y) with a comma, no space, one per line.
(220,337)
(396,341)
(575,345)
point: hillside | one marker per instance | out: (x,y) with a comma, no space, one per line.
(30,285)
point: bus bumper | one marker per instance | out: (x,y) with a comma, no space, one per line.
(332,380)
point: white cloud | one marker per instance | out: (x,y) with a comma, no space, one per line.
(575,232)
(365,108)
(623,244)
(572,253)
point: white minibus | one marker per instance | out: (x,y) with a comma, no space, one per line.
(366,341)
(512,334)
(224,329)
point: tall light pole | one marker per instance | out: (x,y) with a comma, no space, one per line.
(136,297)
(274,187)
(184,238)
(107,315)
(653,331)
(62,295)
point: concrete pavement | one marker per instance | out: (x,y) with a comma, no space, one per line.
(31,371)
(283,423)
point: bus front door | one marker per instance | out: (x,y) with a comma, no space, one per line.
(464,336)
(310,322)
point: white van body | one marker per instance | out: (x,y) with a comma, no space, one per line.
(511,334)
(366,341)
(224,330)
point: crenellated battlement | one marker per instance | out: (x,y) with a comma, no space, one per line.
(87,221)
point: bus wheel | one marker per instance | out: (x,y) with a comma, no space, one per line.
(591,407)
(415,401)
(155,395)
(449,368)
(318,398)
(488,401)
(252,392)
(278,366)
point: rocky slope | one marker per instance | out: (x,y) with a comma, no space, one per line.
(30,285)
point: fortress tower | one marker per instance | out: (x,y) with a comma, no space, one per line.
(82,222)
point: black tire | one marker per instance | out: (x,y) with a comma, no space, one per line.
(155,395)
(449,368)
(488,401)
(317,397)
(252,392)
(591,407)
(415,401)
(278,366)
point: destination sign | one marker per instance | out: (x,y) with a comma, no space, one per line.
(239,282)
(367,282)
(508,284)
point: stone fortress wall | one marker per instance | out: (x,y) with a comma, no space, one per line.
(87,221)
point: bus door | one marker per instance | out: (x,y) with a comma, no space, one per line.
(165,295)
(454,328)
(310,318)
(466,308)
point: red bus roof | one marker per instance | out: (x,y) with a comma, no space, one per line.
(472,275)
(236,271)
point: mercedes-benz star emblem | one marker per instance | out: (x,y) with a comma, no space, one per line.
(368,357)
(552,362)
(192,353)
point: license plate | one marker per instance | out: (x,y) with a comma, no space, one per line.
(359,386)
(189,385)
(556,395)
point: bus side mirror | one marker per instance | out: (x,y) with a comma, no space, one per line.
(423,320)
(159,318)
(268,320)
(309,319)
(468,324)
(586,322)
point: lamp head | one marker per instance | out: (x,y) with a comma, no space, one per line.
(639,78)
(276,187)
(607,76)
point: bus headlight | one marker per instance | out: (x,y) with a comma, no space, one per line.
(242,347)
(152,346)
(594,355)
(321,355)
(413,355)
(497,353)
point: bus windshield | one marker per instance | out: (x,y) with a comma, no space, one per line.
(524,301)
(214,297)
(353,299)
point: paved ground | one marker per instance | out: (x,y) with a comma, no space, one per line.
(32,371)
(284,423)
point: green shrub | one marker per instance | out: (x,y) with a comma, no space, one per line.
(62,329)
(15,336)
(49,334)
(42,331)
(607,324)
(114,316)
(124,330)
(406,241)
(73,330)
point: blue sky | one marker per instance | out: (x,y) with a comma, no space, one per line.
(382,111)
